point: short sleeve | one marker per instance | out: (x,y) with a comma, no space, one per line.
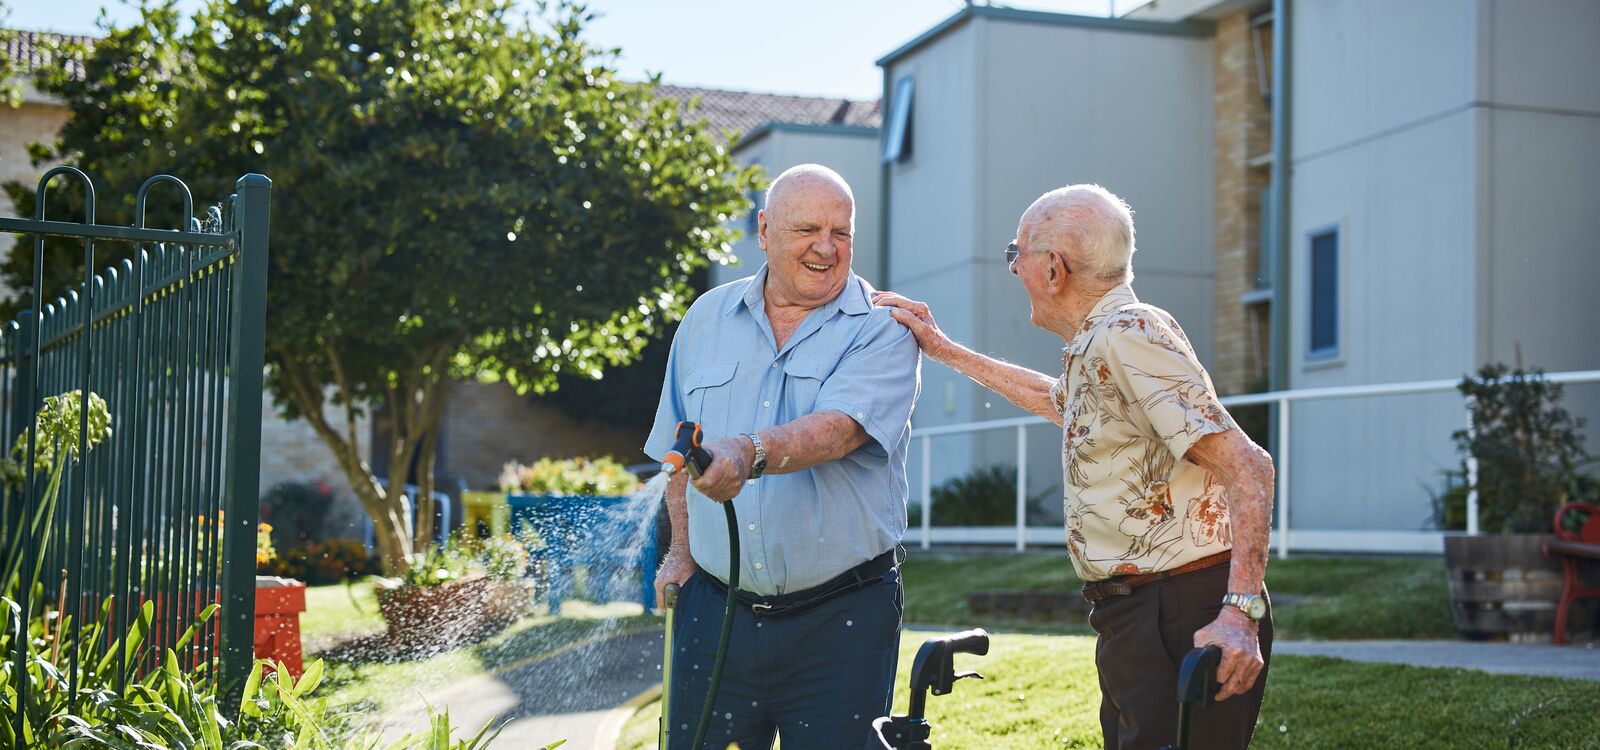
(1158,372)
(876,384)
(669,411)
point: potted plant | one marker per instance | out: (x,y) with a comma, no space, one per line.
(1530,460)
(568,512)
(437,604)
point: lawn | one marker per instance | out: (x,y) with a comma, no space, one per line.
(1040,691)
(1315,598)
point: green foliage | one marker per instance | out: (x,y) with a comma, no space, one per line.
(317,563)
(573,477)
(298,512)
(456,194)
(56,433)
(10,95)
(983,497)
(170,706)
(1529,451)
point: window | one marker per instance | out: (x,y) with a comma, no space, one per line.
(897,140)
(1324,296)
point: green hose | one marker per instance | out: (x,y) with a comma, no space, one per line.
(727,628)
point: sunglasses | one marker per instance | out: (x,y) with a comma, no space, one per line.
(1013,252)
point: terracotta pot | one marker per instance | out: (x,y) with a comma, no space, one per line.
(435,618)
(279,602)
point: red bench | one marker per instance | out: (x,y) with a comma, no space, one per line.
(1576,550)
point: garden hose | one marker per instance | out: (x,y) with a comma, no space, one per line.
(687,453)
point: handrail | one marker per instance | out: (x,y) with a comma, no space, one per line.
(1282,399)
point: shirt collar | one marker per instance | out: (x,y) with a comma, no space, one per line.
(853,299)
(1119,297)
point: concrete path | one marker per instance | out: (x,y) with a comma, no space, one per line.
(567,695)
(1579,662)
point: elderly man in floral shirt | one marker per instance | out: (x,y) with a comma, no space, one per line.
(1167,501)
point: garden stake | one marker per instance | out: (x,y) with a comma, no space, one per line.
(687,453)
(669,601)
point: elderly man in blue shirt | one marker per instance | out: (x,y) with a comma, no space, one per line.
(804,391)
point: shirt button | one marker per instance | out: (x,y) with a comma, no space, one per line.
(774,365)
(750,482)
(766,404)
(759,566)
(751,527)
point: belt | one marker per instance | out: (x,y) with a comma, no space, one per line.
(1096,591)
(854,579)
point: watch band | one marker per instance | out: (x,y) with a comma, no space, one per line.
(759,465)
(1252,605)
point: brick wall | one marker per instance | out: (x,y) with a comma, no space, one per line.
(489,424)
(1243,134)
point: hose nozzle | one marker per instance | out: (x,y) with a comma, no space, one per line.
(686,451)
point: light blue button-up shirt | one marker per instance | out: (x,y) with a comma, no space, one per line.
(726,372)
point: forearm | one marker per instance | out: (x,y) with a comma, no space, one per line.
(1026,388)
(1250,510)
(811,441)
(678,511)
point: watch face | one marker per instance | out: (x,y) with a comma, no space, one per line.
(1257,608)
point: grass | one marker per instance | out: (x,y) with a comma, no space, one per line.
(1041,691)
(1315,598)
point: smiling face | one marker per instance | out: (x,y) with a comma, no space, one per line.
(806,231)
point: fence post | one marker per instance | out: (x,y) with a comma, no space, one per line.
(927,493)
(1283,478)
(1472,471)
(1022,487)
(243,467)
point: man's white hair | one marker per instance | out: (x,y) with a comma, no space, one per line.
(800,174)
(1087,223)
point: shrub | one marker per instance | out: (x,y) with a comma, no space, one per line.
(984,497)
(333,561)
(1529,451)
(298,512)
(573,477)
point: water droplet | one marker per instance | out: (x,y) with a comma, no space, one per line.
(728,716)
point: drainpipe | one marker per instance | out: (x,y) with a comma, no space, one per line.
(883,188)
(1278,377)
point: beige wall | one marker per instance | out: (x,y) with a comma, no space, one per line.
(36,121)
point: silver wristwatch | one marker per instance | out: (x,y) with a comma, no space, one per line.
(759,465)
(1254,606)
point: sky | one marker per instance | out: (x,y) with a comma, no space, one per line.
(814,47)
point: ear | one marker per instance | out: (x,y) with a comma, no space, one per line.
(1058,273)
(761,229)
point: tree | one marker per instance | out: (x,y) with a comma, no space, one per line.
(10,95)
(455,195)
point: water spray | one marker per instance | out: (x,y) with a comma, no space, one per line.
(688,453)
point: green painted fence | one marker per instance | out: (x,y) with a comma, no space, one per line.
(165,509)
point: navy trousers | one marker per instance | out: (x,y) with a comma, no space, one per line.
(816,678)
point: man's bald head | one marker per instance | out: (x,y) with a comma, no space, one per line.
(1091,226)
(806,179)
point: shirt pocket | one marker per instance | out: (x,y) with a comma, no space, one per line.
(708,396)
(802,382)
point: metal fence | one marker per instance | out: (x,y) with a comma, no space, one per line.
(164,510)
(1283,537)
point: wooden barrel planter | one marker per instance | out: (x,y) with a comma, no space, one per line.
(1502,587)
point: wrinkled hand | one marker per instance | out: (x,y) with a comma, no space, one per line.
(730,465)
(675,568)
(917,317)
(1239,638)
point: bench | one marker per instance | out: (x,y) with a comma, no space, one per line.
(1576,550)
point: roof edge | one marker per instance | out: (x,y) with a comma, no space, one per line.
(774,126)
(1164,28)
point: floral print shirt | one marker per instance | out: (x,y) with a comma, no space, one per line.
(1133,399)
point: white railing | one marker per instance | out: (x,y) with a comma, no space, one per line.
(1378,540)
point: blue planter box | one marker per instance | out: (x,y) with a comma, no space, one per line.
(593,532)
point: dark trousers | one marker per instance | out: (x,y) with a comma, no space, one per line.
(1143,638)
(817,678)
